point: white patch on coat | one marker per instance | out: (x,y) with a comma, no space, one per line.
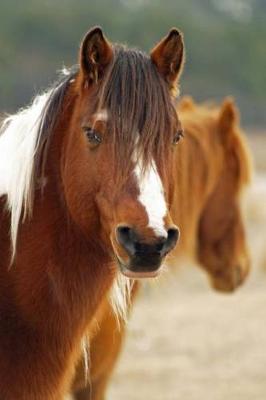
(18,142)
(152,197)
(101,115)
(69,397)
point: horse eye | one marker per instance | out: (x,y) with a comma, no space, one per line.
(179,134)
(93,136)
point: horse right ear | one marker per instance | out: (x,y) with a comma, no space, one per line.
(96,53)
(228,118)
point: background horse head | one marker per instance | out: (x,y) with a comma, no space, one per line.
(218,165)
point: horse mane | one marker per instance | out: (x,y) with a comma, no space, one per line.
(23,138)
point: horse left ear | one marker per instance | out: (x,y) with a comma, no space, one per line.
(95,55)
(228,118)
(168,56)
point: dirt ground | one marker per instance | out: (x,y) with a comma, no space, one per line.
(187,342)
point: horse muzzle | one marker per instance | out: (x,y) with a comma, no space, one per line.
(144,260)
(228,280)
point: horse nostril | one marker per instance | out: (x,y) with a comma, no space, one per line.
(238,275)
(172,238)
(123,231)
(160,245)
(125,237)
(173,234)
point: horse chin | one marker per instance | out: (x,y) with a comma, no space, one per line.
(129,271)
(226,285)
(230,282)
(223,287)
(139,274)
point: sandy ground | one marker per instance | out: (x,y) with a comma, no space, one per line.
(186,341)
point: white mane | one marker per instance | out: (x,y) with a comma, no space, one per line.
(120,297)
(18,142)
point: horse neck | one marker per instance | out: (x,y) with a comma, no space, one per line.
(70,259)
(196,172)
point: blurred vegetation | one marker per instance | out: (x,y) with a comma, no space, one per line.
(225,42)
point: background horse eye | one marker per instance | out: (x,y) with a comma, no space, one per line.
(179,134)
(92,135)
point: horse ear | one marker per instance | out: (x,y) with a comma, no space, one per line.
(168,56)
(95,55)
(228,118)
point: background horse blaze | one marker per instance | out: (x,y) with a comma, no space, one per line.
(206,206)
(76,169)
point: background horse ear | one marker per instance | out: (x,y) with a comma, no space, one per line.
(228,118)
(168,56)
(186,103)
(95,55)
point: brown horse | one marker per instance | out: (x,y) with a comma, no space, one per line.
(86,184)
(212,166)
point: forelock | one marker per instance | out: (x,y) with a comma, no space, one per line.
(140,108)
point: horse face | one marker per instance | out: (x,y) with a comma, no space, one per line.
(135,217)
(222,247)
(121,187)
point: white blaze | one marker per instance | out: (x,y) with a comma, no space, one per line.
(152,197)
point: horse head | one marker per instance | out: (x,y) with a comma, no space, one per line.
(222,248)
(118,153)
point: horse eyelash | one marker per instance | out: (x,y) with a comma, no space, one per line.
(92,134)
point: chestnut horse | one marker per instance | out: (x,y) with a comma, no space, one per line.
(212,166)
(86,184)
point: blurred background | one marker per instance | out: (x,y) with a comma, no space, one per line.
(225,42)
(185,341)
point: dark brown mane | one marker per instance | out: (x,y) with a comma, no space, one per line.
(138,101)
(49,117)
